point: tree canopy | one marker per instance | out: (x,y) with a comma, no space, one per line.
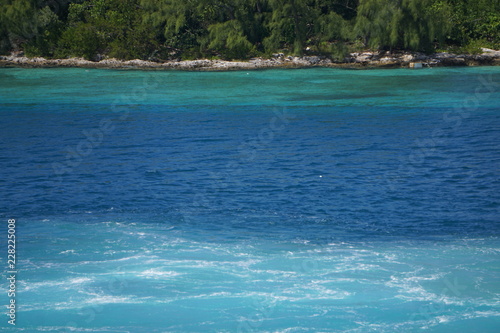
(239,29)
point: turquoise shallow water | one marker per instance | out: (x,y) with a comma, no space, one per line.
(313,200)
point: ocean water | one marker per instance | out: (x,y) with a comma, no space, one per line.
(308,200)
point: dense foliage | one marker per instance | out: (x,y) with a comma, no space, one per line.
(238,29)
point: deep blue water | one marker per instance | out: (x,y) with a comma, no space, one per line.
(315,200)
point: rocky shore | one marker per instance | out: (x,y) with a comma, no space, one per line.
(355,60)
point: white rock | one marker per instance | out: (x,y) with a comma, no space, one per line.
(408,58)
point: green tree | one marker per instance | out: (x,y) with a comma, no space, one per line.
(291,23)
(474,20)
(230,28)
(240,28)
(377,22)
(332,32)
(236,27)
(229,38)
(5,45)
(177,25)
(406,24)
(28,25)
(112,27)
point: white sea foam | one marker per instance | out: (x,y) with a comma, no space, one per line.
(193,263)
(61,284)
(479,314)
(443,319)
(336,280)
(94,300)
(409,288)
(157,273)
(312,292)
(212,295)
(83,300)
(274,272)
(110,299)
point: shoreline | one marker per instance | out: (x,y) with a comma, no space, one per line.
(361,60)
